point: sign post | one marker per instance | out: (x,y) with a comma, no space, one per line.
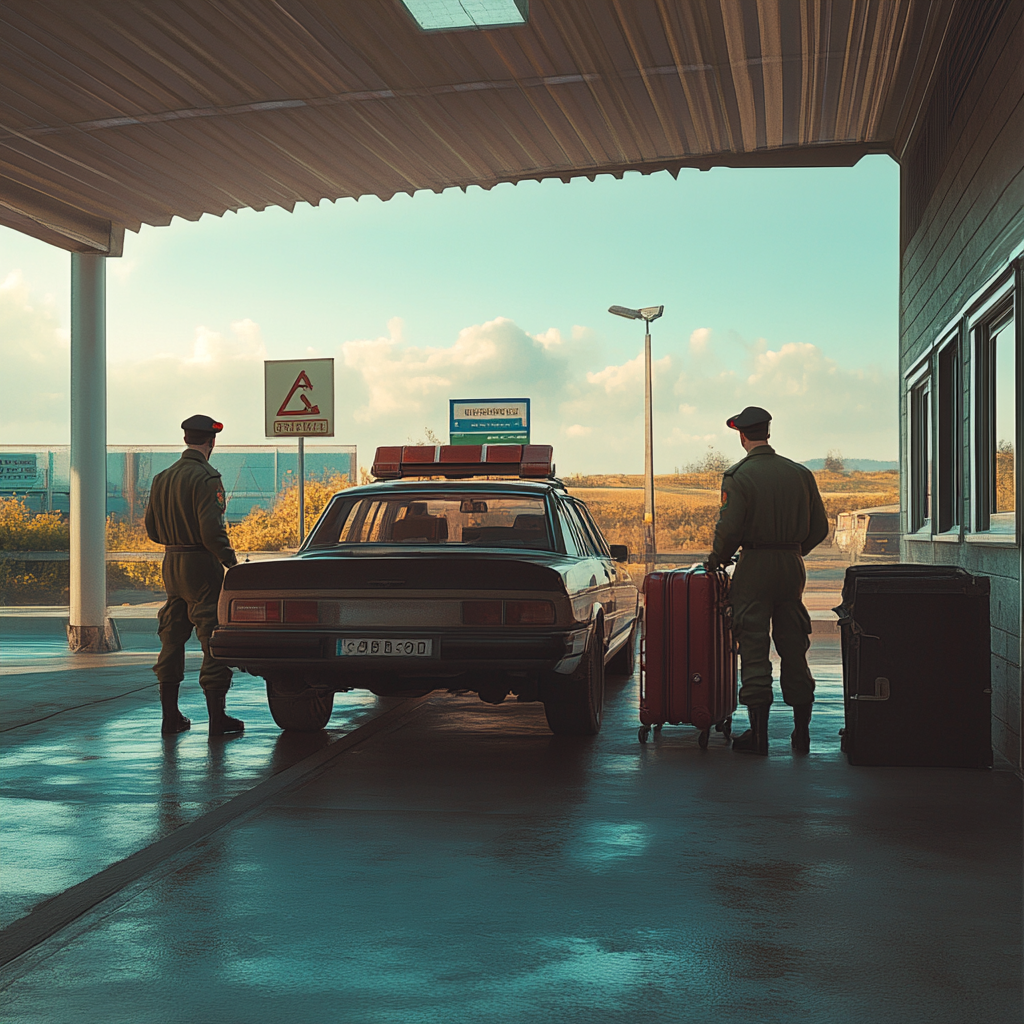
(299,402)
(489,420)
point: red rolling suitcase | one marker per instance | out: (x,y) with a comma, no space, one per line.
(687,656)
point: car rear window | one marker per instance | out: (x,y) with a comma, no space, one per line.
(462,520)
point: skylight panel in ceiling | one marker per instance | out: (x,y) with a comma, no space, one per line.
(452,15)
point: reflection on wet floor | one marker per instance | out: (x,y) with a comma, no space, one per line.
(93,784)
(88,786)
(470,866)
(16,648)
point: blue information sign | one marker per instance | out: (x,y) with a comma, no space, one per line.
(489,421)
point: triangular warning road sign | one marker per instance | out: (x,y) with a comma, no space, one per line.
(306,409)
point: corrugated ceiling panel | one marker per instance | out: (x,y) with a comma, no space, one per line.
(137,112)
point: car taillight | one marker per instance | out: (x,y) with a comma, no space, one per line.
(255,611)
(511,613)
(481,613)
(301,611)
(529,613)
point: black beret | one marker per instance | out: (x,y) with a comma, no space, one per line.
(204,423)
(752,416)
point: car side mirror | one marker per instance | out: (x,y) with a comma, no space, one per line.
(620,553)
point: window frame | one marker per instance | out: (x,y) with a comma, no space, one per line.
(998,307)
(920,451)
(948,495)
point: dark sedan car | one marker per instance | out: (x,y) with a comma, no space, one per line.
(410,585)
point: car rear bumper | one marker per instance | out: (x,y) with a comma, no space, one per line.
(265,651)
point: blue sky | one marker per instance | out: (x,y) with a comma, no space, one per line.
(779,286)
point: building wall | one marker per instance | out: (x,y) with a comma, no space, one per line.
(962,234)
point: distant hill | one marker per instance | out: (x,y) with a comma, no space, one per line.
(856,465)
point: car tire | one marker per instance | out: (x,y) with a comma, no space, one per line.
(624,661)
(299,709)
(576,710)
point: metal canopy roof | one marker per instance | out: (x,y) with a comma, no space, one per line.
(118,114)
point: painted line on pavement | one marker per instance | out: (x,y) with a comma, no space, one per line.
(61,910)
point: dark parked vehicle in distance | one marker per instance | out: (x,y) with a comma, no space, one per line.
(410,585)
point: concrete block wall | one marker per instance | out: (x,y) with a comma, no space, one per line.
(1001,566)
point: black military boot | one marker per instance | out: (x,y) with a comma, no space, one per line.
(801,735)
(173,720)
(221,723)
(755,739)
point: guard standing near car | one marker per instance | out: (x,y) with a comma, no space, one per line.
(186,515)
(772,511)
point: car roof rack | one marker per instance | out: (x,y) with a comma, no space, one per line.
(461,461)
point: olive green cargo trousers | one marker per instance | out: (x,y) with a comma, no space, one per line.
(193,580)
(767,590)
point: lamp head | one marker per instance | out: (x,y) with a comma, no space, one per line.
(629,314)
(648,313)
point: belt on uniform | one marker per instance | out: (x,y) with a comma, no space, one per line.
(772,547)
(177,549)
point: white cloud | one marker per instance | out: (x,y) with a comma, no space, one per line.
(34,353)
(390,388)
(219,374)
(628,375)
(549,339)
(411,385)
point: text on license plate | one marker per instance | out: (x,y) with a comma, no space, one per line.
(385,648)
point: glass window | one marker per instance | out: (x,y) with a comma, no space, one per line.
(589,544)
(996,416)
(597,538)
(478,520)
(572,532)
(950,422)
(920,455)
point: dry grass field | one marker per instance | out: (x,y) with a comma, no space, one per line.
(686,504)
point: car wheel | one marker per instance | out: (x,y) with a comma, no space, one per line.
(576,709)
(624,662)
(299,708)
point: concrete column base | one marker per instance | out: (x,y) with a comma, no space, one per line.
(94,639)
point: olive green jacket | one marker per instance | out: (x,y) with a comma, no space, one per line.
(768,499)
(186,506)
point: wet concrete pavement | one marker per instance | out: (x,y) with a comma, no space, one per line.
(469,866)
(87,779)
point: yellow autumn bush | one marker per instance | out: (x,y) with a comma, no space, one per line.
(21,530)
(277,528)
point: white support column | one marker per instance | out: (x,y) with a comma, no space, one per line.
(88,626)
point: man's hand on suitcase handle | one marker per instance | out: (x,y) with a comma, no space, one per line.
(715,564)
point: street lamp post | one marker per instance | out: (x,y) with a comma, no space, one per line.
(647,314)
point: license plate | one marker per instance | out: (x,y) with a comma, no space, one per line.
(368,648)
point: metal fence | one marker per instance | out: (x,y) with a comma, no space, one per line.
(253,474)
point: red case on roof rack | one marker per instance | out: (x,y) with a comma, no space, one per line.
(459,461)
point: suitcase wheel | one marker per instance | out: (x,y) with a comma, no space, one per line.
(643,733)
(702,739)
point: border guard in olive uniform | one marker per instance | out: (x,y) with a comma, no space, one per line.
(186,515)
(771,509)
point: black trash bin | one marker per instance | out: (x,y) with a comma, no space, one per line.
(916,666)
